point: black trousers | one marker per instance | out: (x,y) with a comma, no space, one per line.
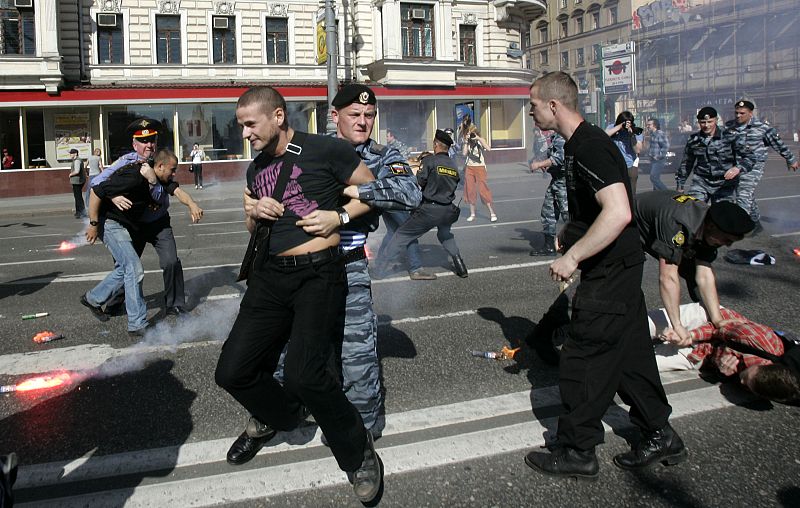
(159,234)
(423,219)
(197,169)
(301,308)
(609,351)
(77,193)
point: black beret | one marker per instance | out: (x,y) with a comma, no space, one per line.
(707,113)
(745,104)
(144,128)
(730,218)
(354,92)
(73,150)
(443,137)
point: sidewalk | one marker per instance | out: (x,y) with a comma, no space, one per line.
(64,204)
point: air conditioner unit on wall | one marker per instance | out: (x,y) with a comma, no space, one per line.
(221,22)
(106,20)
(23,3)
(417,13)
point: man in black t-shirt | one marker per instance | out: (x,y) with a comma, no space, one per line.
(296,294)
(608,349)
(438,178)
(683,233)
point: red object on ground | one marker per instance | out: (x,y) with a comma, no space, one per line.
(46,336)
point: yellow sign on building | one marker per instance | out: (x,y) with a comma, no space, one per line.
(322,45)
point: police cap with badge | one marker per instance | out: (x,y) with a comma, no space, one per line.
(143,129)
(730,218)
(354,93)
(707,113)
(443,137)
(745,104)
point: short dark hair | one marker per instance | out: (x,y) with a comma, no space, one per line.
(656,123)
(558,86)
(165,155)
(269,99)
(776,382)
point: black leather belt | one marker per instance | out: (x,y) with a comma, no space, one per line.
(305,259)
(356,254)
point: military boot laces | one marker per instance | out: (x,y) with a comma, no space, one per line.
(368,478)
(663,445)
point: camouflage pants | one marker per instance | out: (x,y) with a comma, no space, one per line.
(746,192)
(554,205)
(361,380)
(711,192)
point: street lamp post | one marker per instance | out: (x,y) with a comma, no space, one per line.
(333,57)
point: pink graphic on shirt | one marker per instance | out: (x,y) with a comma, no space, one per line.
(294,198)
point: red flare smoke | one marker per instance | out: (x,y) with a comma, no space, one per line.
(65,245)
(796,251)
(368,253)
(43,382)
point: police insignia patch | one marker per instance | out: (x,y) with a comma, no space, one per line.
(682,198)
(399,169)
(678,239)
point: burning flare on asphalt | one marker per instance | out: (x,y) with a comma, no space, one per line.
(39,383)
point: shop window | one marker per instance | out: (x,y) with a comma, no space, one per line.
(299,115)
(117,121)
(34,138)
(277,40)
(213,127)
(223,36)
(467,44)
(168,39)
(110,39)
(17,29)
(410,121)
(9,138)
(416,30)
(507,120)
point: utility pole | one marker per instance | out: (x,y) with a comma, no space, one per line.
(333,57)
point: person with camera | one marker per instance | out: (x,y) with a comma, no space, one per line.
(475,173)
(628,138)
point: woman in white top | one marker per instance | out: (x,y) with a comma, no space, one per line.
(473,147)
(197,155)
(95,162)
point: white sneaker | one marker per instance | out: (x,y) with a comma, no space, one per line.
(470,218)
(493,218)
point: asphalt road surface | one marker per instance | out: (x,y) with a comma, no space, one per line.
(143,424)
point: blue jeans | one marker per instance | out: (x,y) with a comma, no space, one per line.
(394,219)
(127,272)
(656,168)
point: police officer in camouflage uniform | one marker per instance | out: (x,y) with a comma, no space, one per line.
(717,158)
(555,196)
(758,135)
(393,142)
(395,188)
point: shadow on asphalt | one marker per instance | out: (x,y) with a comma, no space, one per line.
(19,287)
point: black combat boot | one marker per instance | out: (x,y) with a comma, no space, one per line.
(459,267)
(367,480)
(566,462)
(548,248)
(663,445)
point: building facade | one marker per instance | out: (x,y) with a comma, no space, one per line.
(74,73)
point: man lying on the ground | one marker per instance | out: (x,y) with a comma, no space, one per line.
(708,350)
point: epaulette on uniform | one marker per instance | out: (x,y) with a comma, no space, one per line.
(379,149)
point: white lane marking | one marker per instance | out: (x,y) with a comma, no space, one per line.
(778,197)
(425,318)
(426,453)
(32,236)
(97,276)
(224,233)
(40,261)
(216,223)
(785,234)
